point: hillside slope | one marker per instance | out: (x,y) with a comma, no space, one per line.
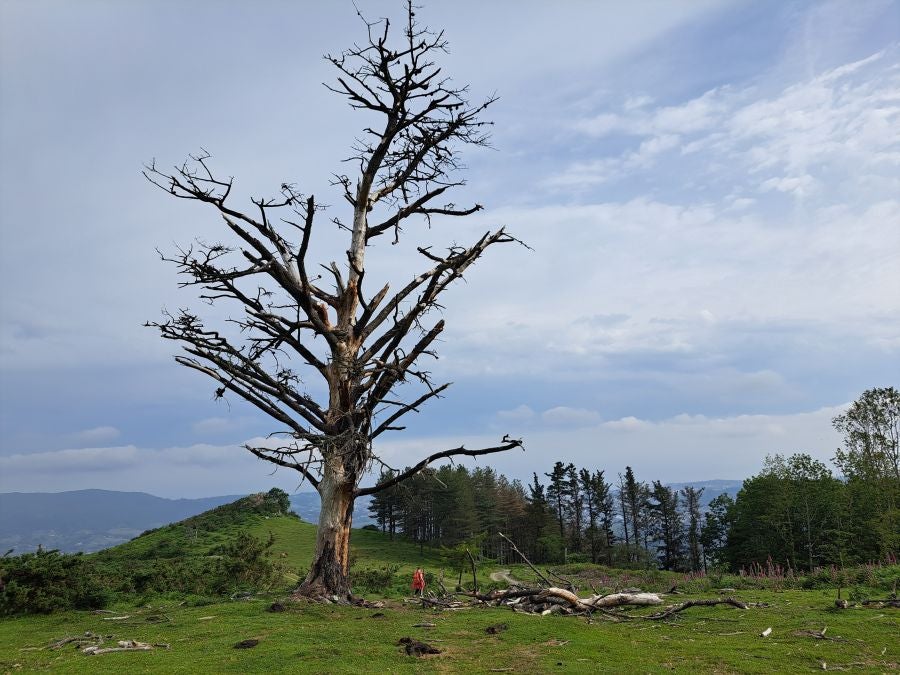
(293,540)
(92,520)
(88,520)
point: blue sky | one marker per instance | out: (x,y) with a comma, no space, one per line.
(710,189)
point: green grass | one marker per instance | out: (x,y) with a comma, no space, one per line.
(331,639)
(202,632)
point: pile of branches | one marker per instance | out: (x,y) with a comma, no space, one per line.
(547,598)
(554,600)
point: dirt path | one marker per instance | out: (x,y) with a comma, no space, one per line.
(503,575)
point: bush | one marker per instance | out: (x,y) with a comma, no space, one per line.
(246,563)
(374,579)
(44,581)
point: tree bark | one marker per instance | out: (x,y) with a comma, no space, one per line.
(329,574)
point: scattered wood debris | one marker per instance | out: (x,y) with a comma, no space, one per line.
(819,635)
(77,640)
(887,602)
(123,646)
(767,632)
(868,604)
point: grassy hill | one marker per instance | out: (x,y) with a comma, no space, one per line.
(209,534)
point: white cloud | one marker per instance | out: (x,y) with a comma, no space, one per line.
(520,413)
(64,462)
(178,471)
(629,423)
(695,115)
(569,417)
(844,122)
(219,425)
(699,280)
(684,447)
(96,435)
(799,186)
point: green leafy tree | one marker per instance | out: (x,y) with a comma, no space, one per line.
(717,523)
(870,463)
(791,512)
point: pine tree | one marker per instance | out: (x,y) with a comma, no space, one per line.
(574,508)
(588,489)
(626,520)
(692,509)
(668,525)
(603,507)
(635,498)
(556,495)
(539,521)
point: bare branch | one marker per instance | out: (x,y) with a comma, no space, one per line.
(505,444)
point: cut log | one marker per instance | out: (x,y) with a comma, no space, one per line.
(619,599)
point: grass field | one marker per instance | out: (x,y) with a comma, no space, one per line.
(201,633)
(332,639)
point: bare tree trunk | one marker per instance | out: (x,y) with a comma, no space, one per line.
(329,573)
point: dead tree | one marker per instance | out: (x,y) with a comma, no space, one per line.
(296,325)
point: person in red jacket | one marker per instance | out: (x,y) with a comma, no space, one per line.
(418,582)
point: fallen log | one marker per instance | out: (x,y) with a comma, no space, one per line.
(124,646)
(695,603)
(618,599)
(78,639)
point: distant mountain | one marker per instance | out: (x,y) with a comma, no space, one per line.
(306,505)
(91,520)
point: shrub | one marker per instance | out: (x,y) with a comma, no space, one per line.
(246,563)
(374,579)
(44,581)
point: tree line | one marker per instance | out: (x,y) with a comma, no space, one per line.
(575,515)
(795,513)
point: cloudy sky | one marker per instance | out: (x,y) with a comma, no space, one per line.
(711,189)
